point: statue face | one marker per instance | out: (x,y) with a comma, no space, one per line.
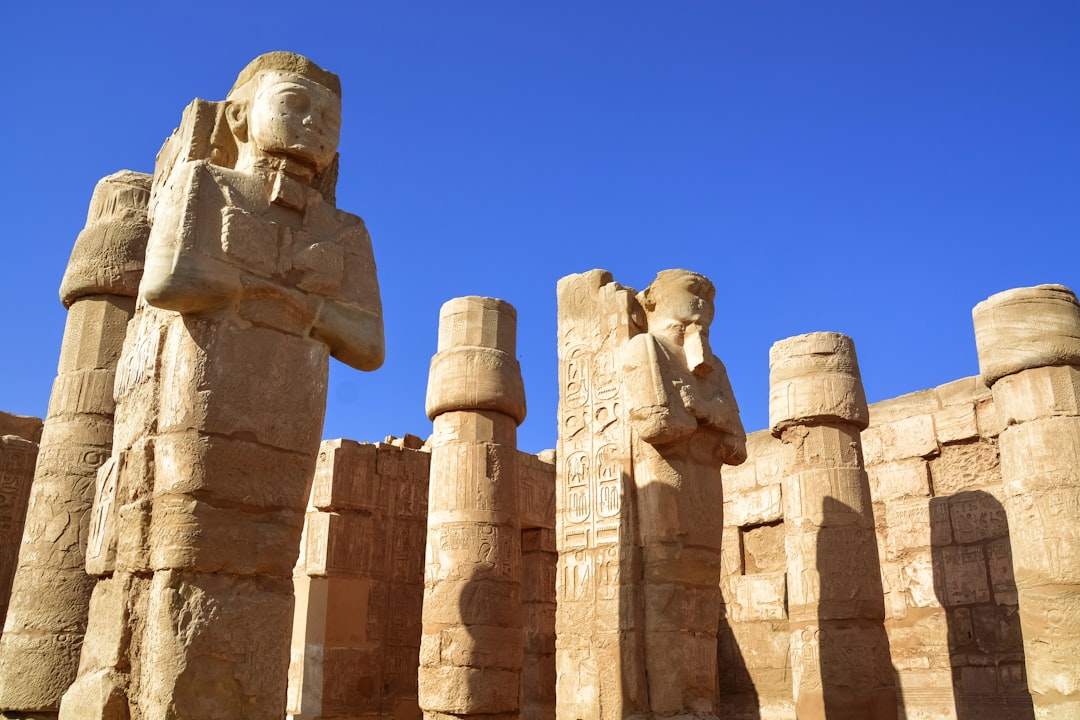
(681,320)
(294,116)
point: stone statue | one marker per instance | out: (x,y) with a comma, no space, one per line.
(253,278)
(685,424)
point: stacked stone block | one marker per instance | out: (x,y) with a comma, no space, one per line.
(472,646)
(839,651)
(1029,354)
(359,584)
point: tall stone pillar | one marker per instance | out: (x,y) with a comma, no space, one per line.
(39,650)
(473,640)
(839,650)
(599,654)
(1029,354)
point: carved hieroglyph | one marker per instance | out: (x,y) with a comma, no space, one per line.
(39,650)
(646,419)
(472,644)
(253,278)
(1029,354)
(839,650)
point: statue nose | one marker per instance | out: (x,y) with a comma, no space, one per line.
(696,348)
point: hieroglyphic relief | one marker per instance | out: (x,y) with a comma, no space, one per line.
(593,534)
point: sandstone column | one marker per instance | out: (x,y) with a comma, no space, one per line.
(1029,354)
(472,643)
(839,651)
(39,651)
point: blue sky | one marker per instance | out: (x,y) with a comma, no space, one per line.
(872,168)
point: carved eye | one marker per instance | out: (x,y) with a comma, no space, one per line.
(331,118)
(297,101)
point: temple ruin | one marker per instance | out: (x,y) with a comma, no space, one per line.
(179,544)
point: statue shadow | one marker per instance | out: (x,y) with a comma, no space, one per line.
(973,581)
(858,679)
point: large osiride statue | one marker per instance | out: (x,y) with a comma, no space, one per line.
(253,279)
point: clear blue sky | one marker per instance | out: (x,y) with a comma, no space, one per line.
(873,168)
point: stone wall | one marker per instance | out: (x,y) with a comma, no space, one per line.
(944,545)
(360,584)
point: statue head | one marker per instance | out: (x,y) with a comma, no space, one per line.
(285,106)
(679,308)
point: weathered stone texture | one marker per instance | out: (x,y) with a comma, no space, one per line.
(253,279)
(359,584)
(472,644)
(1029,353)
(39,651)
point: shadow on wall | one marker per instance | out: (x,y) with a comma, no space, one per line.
(738,696)
(858,680)
(973,580)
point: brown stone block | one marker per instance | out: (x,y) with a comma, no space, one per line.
(762,549)
(757,598)
(539,628)
(24,426)
(689,657)
(956,423)
(904,438)
(1041,453)
(754,507)
(999,561)
(88,392)
(468,690)
(36,669)
(965,466)
(990,421)
(187,533)
(898,479)
(479,646)
(105,646)
(348,613)
(254,384)
(490,602)
(536,493)
(351,682)
(213,656)
(98,694)
(1045,536)
(94,334)
(828,496)
(56,538)
(905,406)
(1038,393)
(916,523)
(976,517)
(75,445)
(345,478)
(964,573)
(231,471)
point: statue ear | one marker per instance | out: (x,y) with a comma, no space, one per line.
(236,113)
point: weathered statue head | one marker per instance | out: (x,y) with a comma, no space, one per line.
(679,308)
(285,107)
